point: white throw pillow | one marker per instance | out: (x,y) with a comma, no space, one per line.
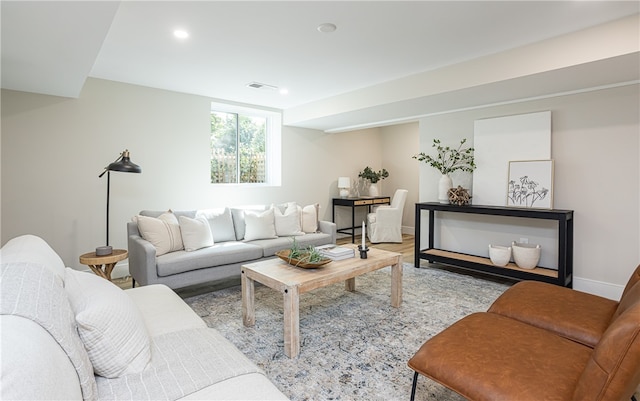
(259,225)
(309,218)
(196,233)
(220,222)
(239,224)
(163,232)
(109,323)
(287,223)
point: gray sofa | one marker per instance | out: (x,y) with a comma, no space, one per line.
(232,246)
(71,335)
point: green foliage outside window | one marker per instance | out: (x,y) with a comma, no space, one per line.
(238,148)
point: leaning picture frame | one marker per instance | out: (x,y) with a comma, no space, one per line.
(530,184)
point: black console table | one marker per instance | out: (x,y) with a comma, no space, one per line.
(367,201)
(563,276)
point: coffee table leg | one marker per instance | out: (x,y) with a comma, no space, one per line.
(350,284)
(248,304)
(396,284)
(291,322)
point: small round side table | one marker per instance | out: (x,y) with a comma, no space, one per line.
(96,263)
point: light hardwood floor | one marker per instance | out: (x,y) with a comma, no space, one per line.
(405,248)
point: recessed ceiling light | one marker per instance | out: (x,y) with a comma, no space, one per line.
(180,34)
(284,91)
(327,27)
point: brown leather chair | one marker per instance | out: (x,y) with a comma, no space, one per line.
(518,353)
(575,315)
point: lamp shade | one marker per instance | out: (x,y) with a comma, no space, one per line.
(124,165)
(344,182)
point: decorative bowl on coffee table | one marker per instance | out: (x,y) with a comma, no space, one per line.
(300,261)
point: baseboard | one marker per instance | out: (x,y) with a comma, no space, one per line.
(121,270)
(408,230)
(607,290)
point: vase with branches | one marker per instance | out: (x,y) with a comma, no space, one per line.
(446,161)
(373,177)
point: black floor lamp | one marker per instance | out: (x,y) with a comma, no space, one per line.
(122,164)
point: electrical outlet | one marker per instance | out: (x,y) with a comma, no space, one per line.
(524,240)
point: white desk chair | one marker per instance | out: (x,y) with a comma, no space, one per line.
(385,224)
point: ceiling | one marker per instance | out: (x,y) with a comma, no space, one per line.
(364,73)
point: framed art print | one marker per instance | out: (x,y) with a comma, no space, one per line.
(530,184)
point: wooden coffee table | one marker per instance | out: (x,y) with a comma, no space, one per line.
(293,281)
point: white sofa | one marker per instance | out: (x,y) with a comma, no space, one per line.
(239,235)
(71,335)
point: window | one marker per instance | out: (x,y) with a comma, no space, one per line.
(245,145)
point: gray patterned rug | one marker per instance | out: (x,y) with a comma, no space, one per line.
(354,346)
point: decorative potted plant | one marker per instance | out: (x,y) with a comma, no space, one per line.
(373,176)
(447,161)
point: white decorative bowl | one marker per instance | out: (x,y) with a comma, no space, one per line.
(499,255)
(526,256)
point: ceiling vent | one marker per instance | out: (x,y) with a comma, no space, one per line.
(258,85)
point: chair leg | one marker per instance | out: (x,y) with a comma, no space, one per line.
(413,386)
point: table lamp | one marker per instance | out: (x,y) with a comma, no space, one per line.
(344,183)
(122,164)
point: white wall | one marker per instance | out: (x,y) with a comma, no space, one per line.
(54,148)
(596,147)
(399,144)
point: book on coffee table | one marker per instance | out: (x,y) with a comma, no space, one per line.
(335,252)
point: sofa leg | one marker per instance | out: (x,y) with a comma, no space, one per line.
(413,386)
(133,282)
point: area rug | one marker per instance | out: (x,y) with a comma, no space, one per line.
(354,345)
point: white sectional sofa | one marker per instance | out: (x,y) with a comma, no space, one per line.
(239,235)
(71,335)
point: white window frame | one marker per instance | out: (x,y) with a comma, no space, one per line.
(273,142)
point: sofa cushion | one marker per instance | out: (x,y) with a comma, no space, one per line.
(251,386)
(287,221)
(220,222)
(110,325)
(196,233)
(162,232)
(32,291)
(32,249)
(183,362)
(217,255)
(309,218)
(178,213)
(25,374)
(238,215)
(259,225)
(163,311)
